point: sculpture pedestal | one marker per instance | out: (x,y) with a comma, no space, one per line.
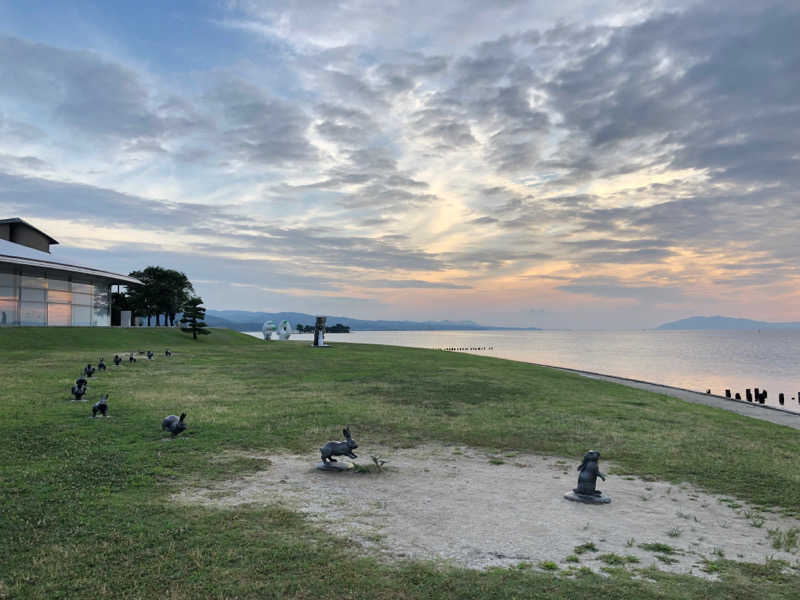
(585,499)
(337,466)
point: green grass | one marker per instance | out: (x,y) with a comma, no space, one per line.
(583,548)
(658,547)
(787,540)
(84,508)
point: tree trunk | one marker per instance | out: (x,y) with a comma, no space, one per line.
(194,331)
(148,319)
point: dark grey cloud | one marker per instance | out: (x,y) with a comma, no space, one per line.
(319,247)
(643,256)
(609,287)
(78,88)
(38,197)
(605,243)
(10,162)
(412,283)
(18,132)
(493,258)
(483,221)
(257,128)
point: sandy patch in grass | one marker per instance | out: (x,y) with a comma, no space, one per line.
(451,503)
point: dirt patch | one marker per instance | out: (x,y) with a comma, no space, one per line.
(478,510)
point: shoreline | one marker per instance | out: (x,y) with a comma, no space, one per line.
(774,414)
(780,416)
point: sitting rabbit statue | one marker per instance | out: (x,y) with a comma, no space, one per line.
(101,366)
(174,424)
(101,406)
(589,472)
(339,448)
(117,360)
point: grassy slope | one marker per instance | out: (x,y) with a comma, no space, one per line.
(84,510)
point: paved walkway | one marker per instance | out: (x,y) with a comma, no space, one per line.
(748,409)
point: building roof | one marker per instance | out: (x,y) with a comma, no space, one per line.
(13,253)
(21,222)
(55,267)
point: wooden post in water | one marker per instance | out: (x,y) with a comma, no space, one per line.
(727,393)
(780,398)
(748,394)
(738,396)
(756,395)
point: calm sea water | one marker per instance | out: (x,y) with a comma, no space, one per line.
(696,360)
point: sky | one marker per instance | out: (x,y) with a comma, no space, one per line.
(579,164)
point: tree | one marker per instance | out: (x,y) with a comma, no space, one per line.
(177,292)
(164,291)
(193,315)
(143,298)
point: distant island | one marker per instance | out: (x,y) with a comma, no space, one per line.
(724,323)
(242,320)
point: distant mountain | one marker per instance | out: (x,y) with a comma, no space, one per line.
(724,323)
(242,320)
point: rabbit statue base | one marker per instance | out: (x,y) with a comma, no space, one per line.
(601,499)
(335,466)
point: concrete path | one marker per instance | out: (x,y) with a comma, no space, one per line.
(748,409)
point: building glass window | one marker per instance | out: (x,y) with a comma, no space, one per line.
(57,284)
(59,315)
(102,306)
(29,281)
(8,312)
(29,295)
(59,297)
(82,299)
(82,316)
(32,313)
(31,300)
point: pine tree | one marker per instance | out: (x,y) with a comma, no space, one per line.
(192,319)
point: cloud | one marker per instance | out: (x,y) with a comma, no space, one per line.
(618,151)
(611,288)
(78,88)
(412,283)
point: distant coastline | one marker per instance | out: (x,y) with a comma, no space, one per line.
(240,320)
(723,324)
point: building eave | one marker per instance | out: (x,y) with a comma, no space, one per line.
(51,266)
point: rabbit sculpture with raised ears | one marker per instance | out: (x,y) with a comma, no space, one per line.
(174,424)
(101,406)
(101,366)
(344,448)
(117,360)
(80,387)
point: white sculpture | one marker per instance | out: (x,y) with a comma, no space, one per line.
(267,330)
(284,330)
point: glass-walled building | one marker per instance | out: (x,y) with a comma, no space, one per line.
(36,292)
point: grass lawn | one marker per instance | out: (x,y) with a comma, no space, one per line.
(84,508)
